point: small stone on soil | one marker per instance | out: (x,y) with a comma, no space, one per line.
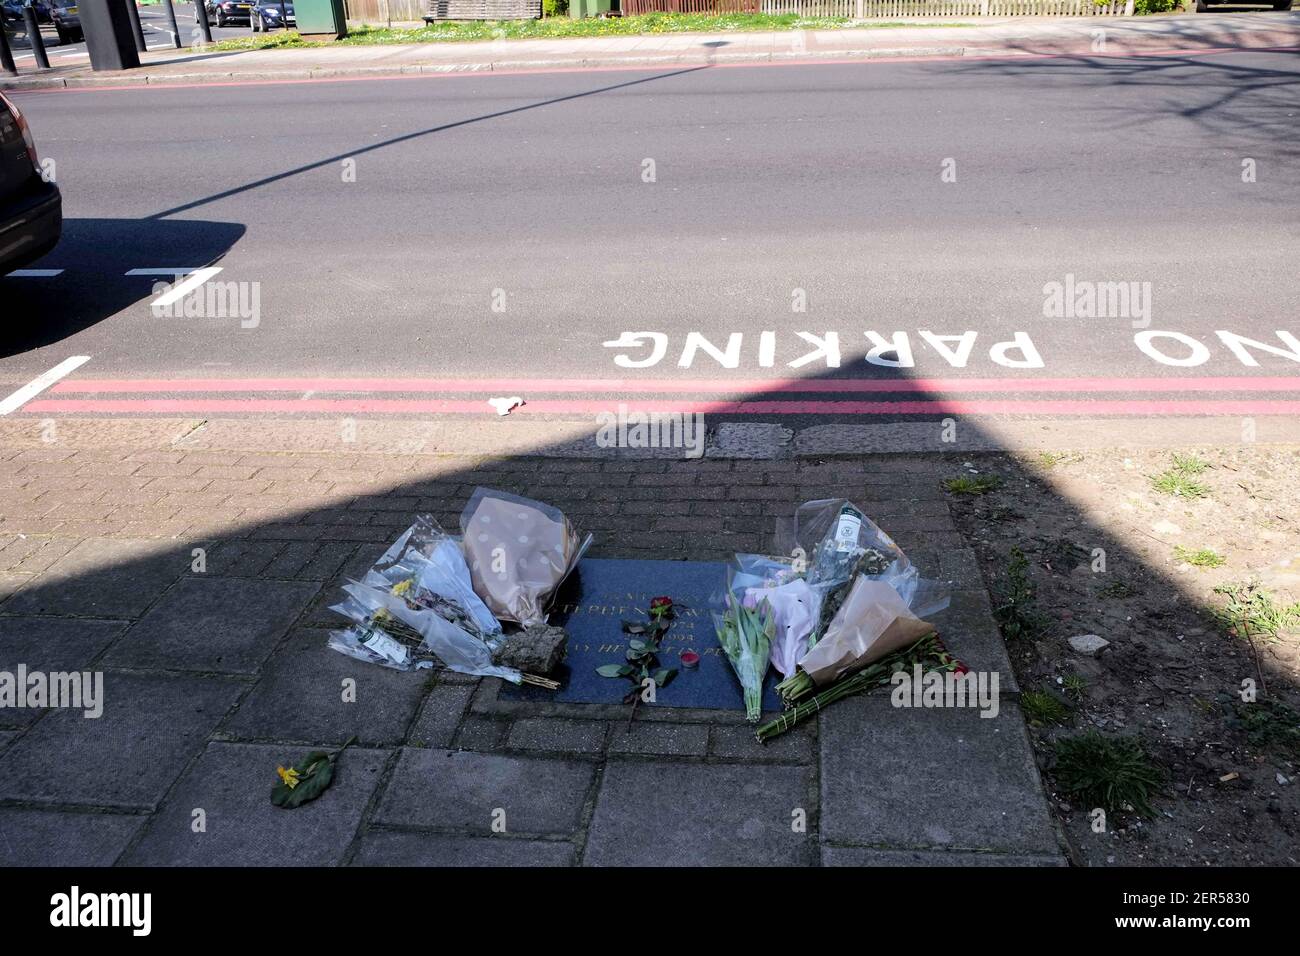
(1090,644)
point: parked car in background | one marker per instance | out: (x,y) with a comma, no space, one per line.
(31,209)
(13,10)
(272,14)
(67,21)
(224,12)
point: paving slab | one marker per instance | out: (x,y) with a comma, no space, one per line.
(968,630)
(669,740)
(127,757)
(52,838)
(864,856)
(49,644)
(300,696)
(231,784)
(460,790)
(572,736)
(225,625)
(930,778)
(408,848)
(443,710)
(701,815)
(739,743)
(482,734)
(11,584)
(104,578)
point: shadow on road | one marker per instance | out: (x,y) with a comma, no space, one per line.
(1249,104)
(97,254)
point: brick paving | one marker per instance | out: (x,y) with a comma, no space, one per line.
(199,581)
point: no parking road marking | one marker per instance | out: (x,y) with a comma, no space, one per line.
(39,384)
(194,279)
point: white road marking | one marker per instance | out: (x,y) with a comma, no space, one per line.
(39,384)
(181,289)
(36,273)
(156,271)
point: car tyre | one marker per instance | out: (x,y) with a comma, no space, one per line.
(63,36)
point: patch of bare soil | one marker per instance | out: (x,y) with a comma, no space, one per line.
(1131,546)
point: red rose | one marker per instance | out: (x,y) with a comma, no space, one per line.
(660,606)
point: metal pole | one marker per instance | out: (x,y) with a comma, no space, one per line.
(34,36)
(6,54)
(134,16)
(171,21)
(201,16)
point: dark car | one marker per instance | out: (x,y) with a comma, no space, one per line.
(271,15)
(31,209)
(67,21)
(224,12)
(13,10)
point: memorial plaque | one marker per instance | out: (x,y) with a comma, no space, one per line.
(602,593)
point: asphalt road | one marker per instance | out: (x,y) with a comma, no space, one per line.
(767,180)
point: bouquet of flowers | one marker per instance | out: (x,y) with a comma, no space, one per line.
(415,607)
(872,623)
(929,652)
(843,544)
(794,605)
(519,552)
(746,635)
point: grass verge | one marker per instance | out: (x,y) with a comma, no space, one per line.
(1250,610)
(1181,478)
(560,27)
(1110,772)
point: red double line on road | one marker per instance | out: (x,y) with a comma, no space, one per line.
(507,386)
(353,396)
(204,406)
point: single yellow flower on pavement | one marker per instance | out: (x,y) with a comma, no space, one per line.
(403,587)
(290,777)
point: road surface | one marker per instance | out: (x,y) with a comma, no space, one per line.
(445,229)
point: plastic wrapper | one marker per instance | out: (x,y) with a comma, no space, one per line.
(794,604)
(837,542)
(422,630)
(416,607)
(427,569)
(873,622)
(519,552)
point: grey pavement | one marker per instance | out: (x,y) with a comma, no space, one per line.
(214,677)
(957,36)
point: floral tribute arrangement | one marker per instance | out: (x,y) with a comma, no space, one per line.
(436,600)
(833,625)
